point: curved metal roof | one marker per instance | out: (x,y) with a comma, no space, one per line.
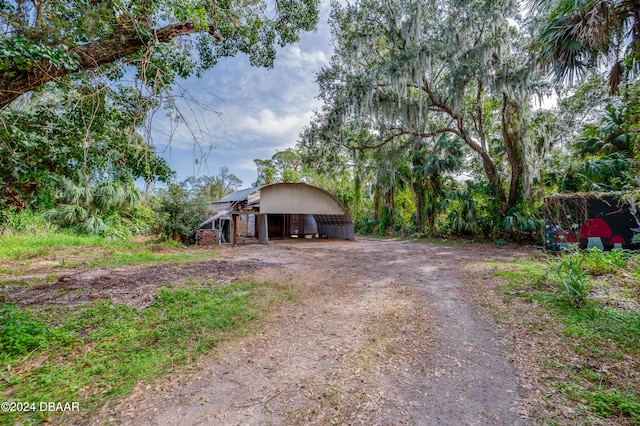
(239,195)
(292,198)
(299,198)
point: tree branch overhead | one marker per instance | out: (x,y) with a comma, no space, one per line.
(15,81)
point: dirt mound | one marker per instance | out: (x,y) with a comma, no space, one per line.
(134,286)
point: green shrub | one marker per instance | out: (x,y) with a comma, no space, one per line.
(574,280)
(597,262)
(95,207)
(520,227)
(180,214)
(20,332)
(367,226)
(24,222)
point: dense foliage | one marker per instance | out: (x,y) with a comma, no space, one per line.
(431,122)
(80,82)
(89,131)
(183,206)
(431,109)
(48,40)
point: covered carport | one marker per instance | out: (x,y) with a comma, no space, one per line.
(299,209)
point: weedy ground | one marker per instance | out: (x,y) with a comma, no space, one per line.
(317,332)
(576,319)
(79,343)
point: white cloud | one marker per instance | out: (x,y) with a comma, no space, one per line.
(262,110)
(246,165)
(268,124)
(310,61)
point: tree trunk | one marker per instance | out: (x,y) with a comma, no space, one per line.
(391,206)
(512,154)
(356,210)
(376,202)
(487,162)
(417,183)
(434,188)
(493,178)
(108,49)
(418,191)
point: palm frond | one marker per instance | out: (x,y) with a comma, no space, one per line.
(94,225)
(67,214)
(583,34)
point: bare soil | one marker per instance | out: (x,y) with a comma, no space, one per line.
(380,332)
(131,285)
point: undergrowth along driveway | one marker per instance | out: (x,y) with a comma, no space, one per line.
(95,351)
(92,354)
(576,322)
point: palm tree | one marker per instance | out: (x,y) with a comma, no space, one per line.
(433,158)
(585,34)
(606,149)
(87,204)
(388,165)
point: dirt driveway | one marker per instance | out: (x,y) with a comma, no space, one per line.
(380,332)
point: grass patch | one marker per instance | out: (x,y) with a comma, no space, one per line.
(445,242)
(594,362)
(19,253)
(97,353)
(600,324)
(522,271)
(24,247)
(147,254)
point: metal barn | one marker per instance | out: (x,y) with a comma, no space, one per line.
(282,210)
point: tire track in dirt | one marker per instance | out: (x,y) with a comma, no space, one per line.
(472,381)
(381,333)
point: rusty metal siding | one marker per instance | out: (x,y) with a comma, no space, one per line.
(301,224)
(335,227)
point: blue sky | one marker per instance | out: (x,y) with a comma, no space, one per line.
(249,112)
